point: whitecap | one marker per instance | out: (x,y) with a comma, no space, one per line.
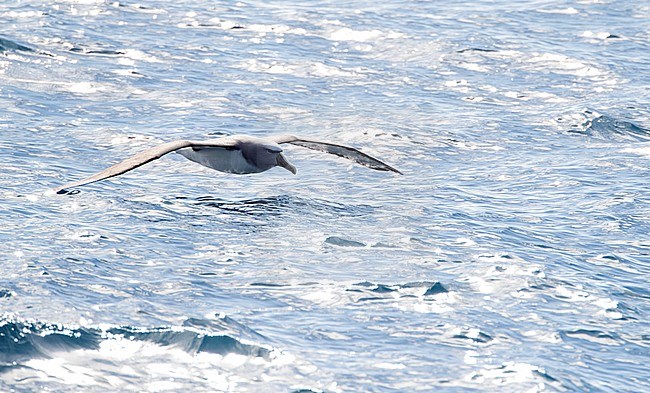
(276,29)
(23,14)
(509,373)
(642,151)
(135,54)
(562,64)
(347,34)
(307,69)
(83,88)
(562,11)
(602,35)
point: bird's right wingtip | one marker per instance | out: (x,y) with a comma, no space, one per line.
(61,191)
(56,191)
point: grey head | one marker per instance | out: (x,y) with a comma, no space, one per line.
(265,155)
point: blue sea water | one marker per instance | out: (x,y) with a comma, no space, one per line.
(513,254)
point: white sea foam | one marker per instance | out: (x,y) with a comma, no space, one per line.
(642,151)
(135,54)
(23,14)
(603,35)
(565,65)
(276,29)
(509,373)
(561,11)
(306,69)
(83,88)
(347,34)
(166,368)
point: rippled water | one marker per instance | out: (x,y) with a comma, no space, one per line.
(513,255)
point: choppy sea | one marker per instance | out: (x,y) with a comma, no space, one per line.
(513,255)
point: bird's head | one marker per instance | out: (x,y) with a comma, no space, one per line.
(267,155)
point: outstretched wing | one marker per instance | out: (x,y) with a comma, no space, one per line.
(145,157)
(342,151)
(128,164)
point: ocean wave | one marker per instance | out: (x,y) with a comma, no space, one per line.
(277,205)
(605,127)
(21,340)
(217,354)
(9,45)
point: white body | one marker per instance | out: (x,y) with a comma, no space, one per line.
(223,160)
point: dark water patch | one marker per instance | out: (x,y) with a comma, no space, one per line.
(153,212)
(473,335)
(372,298)
(545,375)
(131,6)
(371,287)
(611,129)
(429,288)
(383,245)
(24,340)
(9,45)
(365,284)
(20,341)
(476,50)
(435,289)
(224,25)
(343,242)
(627,311)
(277,205)
(514,235)
(280,205)
(274,205)
(99,52)
(266,284)
(417,284)
(5,293)
(638,291)
(328,209)
(592,335)
(191,341)
(480,338)
(218,134)
(207,274)
(380,288)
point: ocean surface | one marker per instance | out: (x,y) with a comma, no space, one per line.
(513,255)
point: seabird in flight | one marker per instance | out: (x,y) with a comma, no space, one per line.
(237,154)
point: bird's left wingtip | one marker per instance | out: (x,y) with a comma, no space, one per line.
(391,169)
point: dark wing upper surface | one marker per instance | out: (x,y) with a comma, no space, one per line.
(145,157)
(342,151)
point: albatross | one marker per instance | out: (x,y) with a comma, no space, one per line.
(238,154)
